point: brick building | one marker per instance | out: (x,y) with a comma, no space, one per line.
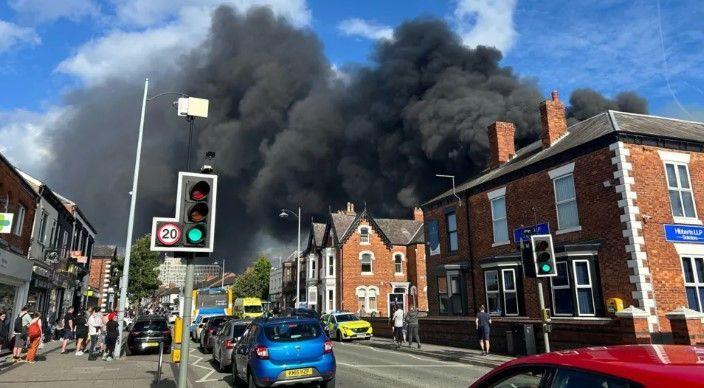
(99,277)
(609,188)
(360,263)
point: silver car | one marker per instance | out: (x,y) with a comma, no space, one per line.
(225,340)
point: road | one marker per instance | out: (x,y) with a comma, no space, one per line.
(361,365)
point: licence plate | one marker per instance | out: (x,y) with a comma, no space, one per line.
(298,372)
(150,344)
(361,335)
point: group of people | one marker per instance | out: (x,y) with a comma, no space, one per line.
(90,327)
(27,333)
(405,326)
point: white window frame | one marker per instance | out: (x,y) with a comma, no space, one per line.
(363,236)
(683,219)
(43,221)
(697,284)
(560,229)
(568,286)
(487,292)
(19,222)
(578,286)
(494,220)
(330,299)
(514,291)
(449,232)
(361,255)
(331,265)
(393,257)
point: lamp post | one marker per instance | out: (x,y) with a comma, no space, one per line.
(284,214)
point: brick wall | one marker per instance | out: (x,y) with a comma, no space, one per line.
(12,186)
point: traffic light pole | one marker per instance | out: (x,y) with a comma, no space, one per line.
(546,337)
(185,332)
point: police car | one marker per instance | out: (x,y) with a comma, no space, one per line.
(344,325)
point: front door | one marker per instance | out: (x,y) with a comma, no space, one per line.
(396,300)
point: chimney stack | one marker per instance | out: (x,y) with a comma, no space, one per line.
(417,214)
(552,116)
(501,144)
(350,209)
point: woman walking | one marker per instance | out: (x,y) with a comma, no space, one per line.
(111,334)
(4,330)
(34,333)
(81,325)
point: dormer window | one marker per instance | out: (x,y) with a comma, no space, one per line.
(364,235)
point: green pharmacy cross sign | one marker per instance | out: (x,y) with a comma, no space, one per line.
(6,222)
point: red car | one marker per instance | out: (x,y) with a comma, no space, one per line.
(624,366)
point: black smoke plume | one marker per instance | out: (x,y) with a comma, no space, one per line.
(287,130)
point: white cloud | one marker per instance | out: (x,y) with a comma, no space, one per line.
(365,29)
(29,148)
(12,35)
(41,11)
(486,22)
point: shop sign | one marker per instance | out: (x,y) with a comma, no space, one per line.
(14,265)
(684,233)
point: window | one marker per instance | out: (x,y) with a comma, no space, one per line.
(681,198)
(491,285)
(451,219)
(367,263)
(364,235)
(571,378)
(520,377)
(566,202)
(331,265)
(312,268)
(42,227)
(561,293)
(583,285)
(19,222)
(510,291)
(371,295)
(331,301)
(693,268)
(398,263)
(54,235)
(498,217)
(444,305)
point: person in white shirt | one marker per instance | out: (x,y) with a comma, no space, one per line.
(397,317)
(95,327)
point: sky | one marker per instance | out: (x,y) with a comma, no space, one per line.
(49,48)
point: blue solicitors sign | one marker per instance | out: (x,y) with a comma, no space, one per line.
(524,233)
(433,237)
(684,233)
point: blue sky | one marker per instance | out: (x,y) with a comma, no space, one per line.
(49,47)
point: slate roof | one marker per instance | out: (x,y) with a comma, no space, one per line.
(318,232)
(603,124)
(401,232)
(341,222)
(105,251)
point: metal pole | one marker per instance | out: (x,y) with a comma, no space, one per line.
(185,337)
(130,224)
(161,358)
(222,281)
(546,338)
(298,261)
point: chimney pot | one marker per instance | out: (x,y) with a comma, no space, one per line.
(350,208)
(554,95)
(554,122)
(501,143)
(418,214)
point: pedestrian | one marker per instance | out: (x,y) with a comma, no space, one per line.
(34,333)
(69,329)
(20,332)
(81,325)
(4,330)
(412,322)
(398,326)
(95,326)
(483,323)
(111,334)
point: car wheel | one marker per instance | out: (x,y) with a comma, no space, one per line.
(328,384)
(339,336)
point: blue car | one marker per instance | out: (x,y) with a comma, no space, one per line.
(284,351)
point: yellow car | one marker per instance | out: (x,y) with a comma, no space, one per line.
(343,326)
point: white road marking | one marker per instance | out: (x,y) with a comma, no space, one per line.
(210,370)
(406,365)
(397,352)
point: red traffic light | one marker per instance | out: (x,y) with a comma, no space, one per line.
(200,191)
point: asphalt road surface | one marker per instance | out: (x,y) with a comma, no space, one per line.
(360,365)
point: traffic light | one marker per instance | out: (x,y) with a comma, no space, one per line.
(197,212)
(543,255)
(527,258)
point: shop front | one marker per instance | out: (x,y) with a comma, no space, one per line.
(15,275)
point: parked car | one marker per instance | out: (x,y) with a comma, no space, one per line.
(284,351)
(301,312)
(224,342)
(345,325)
(146,334)
(603,366)
(197,326)
(211,327)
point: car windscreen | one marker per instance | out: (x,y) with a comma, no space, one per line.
(346,317)
(217,321)
(153,325)
(238,330)
(252,309)
(292,331)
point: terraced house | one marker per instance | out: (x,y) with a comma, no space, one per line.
(622,195)
(359,263)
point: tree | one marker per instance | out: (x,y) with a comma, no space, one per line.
(262,270)
(144,273)
(254,282)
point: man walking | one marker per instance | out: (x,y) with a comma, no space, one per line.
(483,322)
(412,322)
(69,329)
(20,332)
(398,326)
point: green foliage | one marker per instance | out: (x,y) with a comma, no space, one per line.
(144,271)
(254,282)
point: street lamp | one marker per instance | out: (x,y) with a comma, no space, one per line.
(284,214)
(454,192)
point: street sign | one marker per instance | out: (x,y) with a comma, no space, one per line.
(6,222)
(684,233)
(169,233)
(525,232)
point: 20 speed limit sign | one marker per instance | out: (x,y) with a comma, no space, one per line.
(169,234)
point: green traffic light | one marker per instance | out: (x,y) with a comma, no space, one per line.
(546,268)
(195,235)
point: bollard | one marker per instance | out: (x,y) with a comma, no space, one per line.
(161,358)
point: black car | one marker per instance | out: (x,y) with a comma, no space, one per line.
(147,332)
(301,312)
(210,329)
